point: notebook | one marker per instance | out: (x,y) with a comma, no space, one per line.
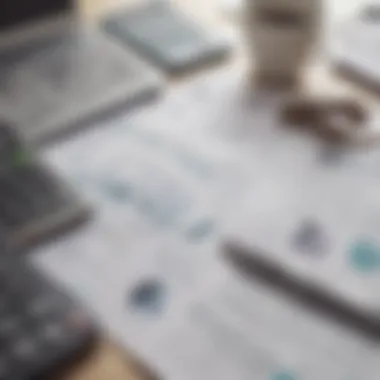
(166,37)
(57,74)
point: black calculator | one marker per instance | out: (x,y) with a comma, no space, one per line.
(42,329)
(35,204)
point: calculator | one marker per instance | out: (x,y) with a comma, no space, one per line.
(163,35)
(34,203)
(42,329)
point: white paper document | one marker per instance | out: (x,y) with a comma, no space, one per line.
(168,186)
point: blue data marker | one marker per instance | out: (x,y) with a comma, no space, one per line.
(365,256)
(311,238)
(118,191)
(147,297)
(200,231)
(283,375)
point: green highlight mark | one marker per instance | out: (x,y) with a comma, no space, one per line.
(20,158)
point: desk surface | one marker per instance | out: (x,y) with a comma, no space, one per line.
(107,361)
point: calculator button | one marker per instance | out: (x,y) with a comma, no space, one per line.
(24,349)
(3,302)
(5,367)
(54,332)
(41,307)
(9,326)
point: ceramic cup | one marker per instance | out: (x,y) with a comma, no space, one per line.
(280,34)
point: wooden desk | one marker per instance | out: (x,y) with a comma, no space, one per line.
(107,362)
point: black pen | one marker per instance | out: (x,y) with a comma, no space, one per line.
(255,269)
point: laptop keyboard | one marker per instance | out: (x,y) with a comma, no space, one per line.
(52,83)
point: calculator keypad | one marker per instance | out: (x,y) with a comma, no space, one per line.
(37,325)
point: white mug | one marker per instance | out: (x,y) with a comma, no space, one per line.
(280,34)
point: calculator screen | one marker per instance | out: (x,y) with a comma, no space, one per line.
(14,12)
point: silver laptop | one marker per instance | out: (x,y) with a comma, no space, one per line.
(57,75)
